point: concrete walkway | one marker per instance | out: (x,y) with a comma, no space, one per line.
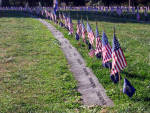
(91,90)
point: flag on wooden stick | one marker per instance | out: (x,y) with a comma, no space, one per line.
(78,32)
(118,59)
(90,34)
(106,49)
(83,30)
(70,25)
(98,44)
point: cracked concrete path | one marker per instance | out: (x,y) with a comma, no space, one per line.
(91,90)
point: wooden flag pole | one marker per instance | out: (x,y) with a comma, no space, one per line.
(120,82)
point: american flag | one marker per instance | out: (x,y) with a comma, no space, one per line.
(98,42)
(83,30)
(106,49)
(70,25)
(90,34)
(118,59)
(92,53)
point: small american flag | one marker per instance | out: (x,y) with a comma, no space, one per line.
(98,42)
(70,25)
(106,49)
(90,34)
(83,30)
(118,59)
(92,53)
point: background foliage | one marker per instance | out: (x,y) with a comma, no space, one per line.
(76,2)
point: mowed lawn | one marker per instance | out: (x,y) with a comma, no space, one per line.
(134,39)
(34,74)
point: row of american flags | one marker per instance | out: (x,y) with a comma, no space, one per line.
(141,13)
(112,57)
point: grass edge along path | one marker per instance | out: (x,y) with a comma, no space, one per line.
(35,75)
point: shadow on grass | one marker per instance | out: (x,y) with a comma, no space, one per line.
(136,76)
(17,14)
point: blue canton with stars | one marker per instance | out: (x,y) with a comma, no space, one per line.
(116,44)
(104,39)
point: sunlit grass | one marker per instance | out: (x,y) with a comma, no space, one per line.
(34,74)
(135,42)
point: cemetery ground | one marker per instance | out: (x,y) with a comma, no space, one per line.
(134,38)
(35,76)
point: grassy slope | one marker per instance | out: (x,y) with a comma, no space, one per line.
(135,42)
(34,75)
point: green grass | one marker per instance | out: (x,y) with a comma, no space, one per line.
(135,42)
(34,74)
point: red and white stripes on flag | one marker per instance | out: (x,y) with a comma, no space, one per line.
(106,53)
(83,31)
(118,61)
(83,34)
(98,45)
(98,42)
(106,49)
(91,37)
(71,28)
(70,25)
(90,34)
(118,58)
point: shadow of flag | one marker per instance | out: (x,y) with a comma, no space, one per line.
(77,36)
(107,65)
(115,78)
(98,55)
(128,88)
(88,44)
